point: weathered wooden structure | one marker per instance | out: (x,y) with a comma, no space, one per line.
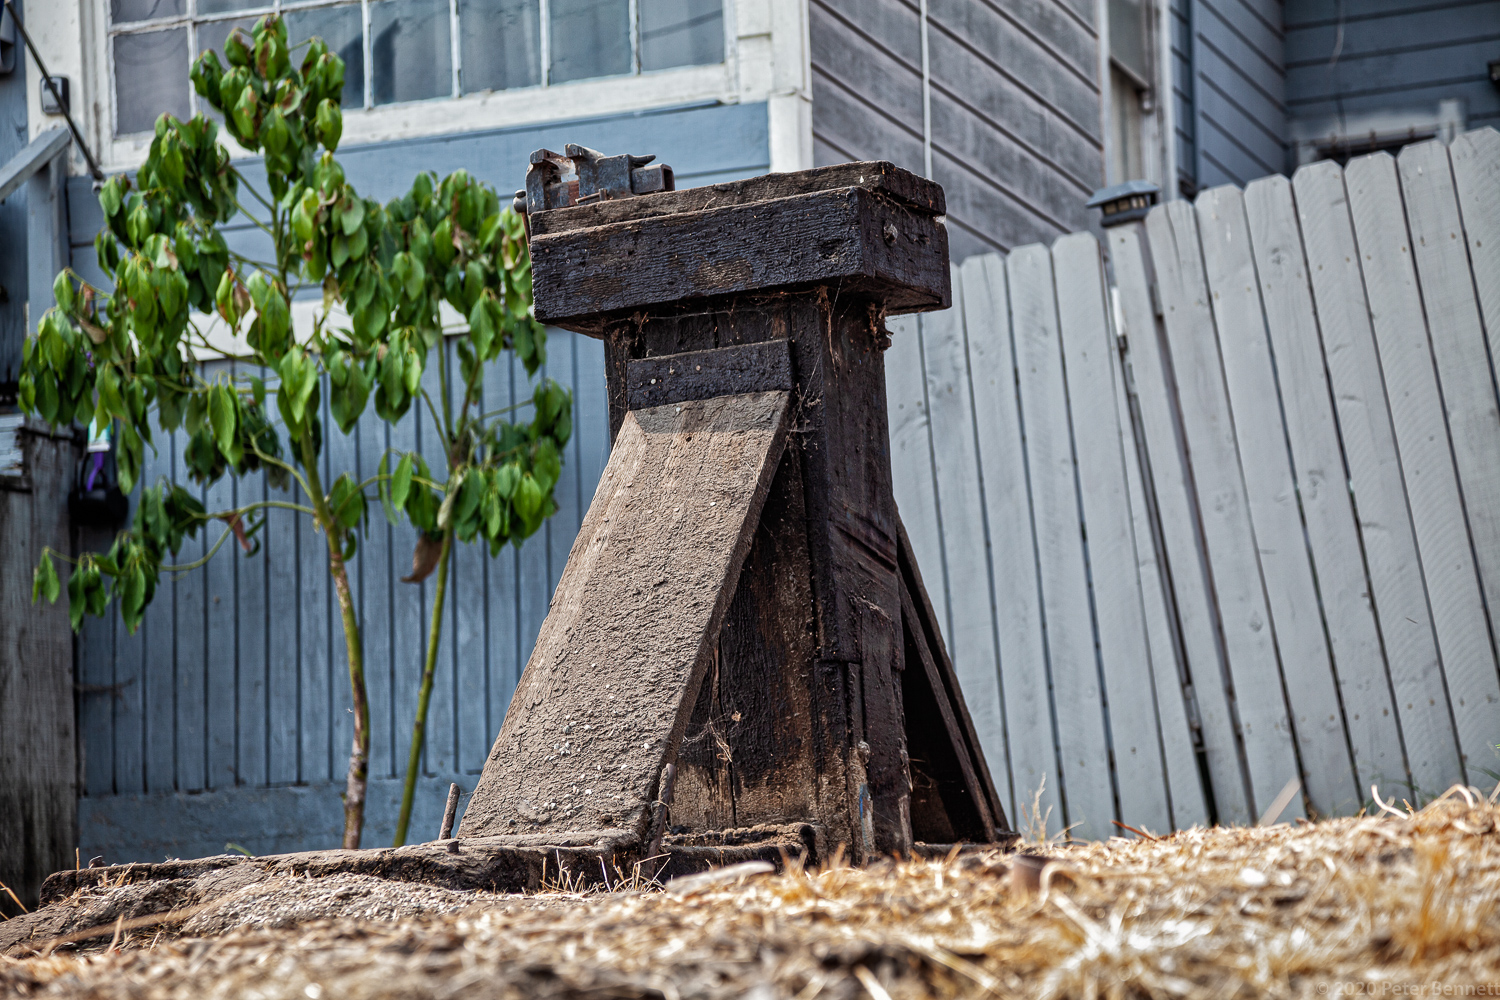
(741,603)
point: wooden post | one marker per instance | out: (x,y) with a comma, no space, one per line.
(38,763)
(740,602)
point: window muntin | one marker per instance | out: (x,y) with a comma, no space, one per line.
(397,51)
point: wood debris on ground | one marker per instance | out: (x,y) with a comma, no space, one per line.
(1390,904)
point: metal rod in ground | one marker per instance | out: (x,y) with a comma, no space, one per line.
(449,811)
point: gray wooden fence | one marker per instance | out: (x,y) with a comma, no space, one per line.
(236,683)
(1205,510)
(1229,516)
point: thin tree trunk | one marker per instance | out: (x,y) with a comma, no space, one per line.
(424,696)
(359,754)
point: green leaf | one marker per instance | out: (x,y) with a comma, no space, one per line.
(62,291)
(222,415)
(528,500)
(77,599)
(111,197)
(353,214)
(383,487)
(482,327)
(401,481)
(44,580)
(330,124)
(133,599)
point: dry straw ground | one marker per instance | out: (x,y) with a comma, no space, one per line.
(1386,905)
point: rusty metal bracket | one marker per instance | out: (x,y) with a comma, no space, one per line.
(580,175)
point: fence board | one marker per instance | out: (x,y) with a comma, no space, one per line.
(1468,390)
(1312,434)
(1179,758)
(343,456)
(1476,174)
(220,663)
(315,706)
(1125,661)
(1088,796)
(1275,520)
(1188,581)
(965,536)
(960,494)
(156,651)
(1401,336)
(1379,490)
(911,458)
(1243,615)
(1028,732)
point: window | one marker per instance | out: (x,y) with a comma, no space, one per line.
(396,51)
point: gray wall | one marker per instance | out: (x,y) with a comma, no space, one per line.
(1015,127)
(1391,54)
(233,722)
(13,138)
(1232,105)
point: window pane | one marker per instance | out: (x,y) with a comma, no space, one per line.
(124,11)
(501,44)
(226,6)
(340,28)
(589,38)
(410,49)
(681,33)
(150,77)
(212,34)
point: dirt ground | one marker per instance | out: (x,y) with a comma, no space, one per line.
(1393,904)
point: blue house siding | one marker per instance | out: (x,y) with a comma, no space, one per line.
(1386,54)
(1236,119)
(13,289)
(227,718)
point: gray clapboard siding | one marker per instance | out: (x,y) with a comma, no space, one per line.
(1012,101)
(1260,518)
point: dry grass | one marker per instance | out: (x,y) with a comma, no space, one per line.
(1381,905)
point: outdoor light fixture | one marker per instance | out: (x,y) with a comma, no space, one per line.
(1126,202)
(1495,72)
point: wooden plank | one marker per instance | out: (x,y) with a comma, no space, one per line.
(922,626)
(283,602)
(1432,488)
(437,755)
(1024,683)
(1251,680)
(190,601)
(343,456)
(912,477)
(379,569)
(1088,794)
(314,620)
(836,237)
(1375,475)
(501,582)
(1088,362)
(1322,483)
(251,719)
(645,590)
(155,645)
(965,536)
(468,598)
(1476,175)
(1179,755)
(723,371)
(98,705)
(1300,650)
(1187,583)
(408,610)
(220,660)
(1459,349)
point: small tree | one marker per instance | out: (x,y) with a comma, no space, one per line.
(132,355)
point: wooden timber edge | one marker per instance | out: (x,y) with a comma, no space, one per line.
(495,864)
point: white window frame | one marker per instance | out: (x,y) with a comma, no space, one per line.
(455,112)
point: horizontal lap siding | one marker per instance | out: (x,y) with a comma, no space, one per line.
(1014,108)
(234,704)
(1238,90)
(1391,55)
